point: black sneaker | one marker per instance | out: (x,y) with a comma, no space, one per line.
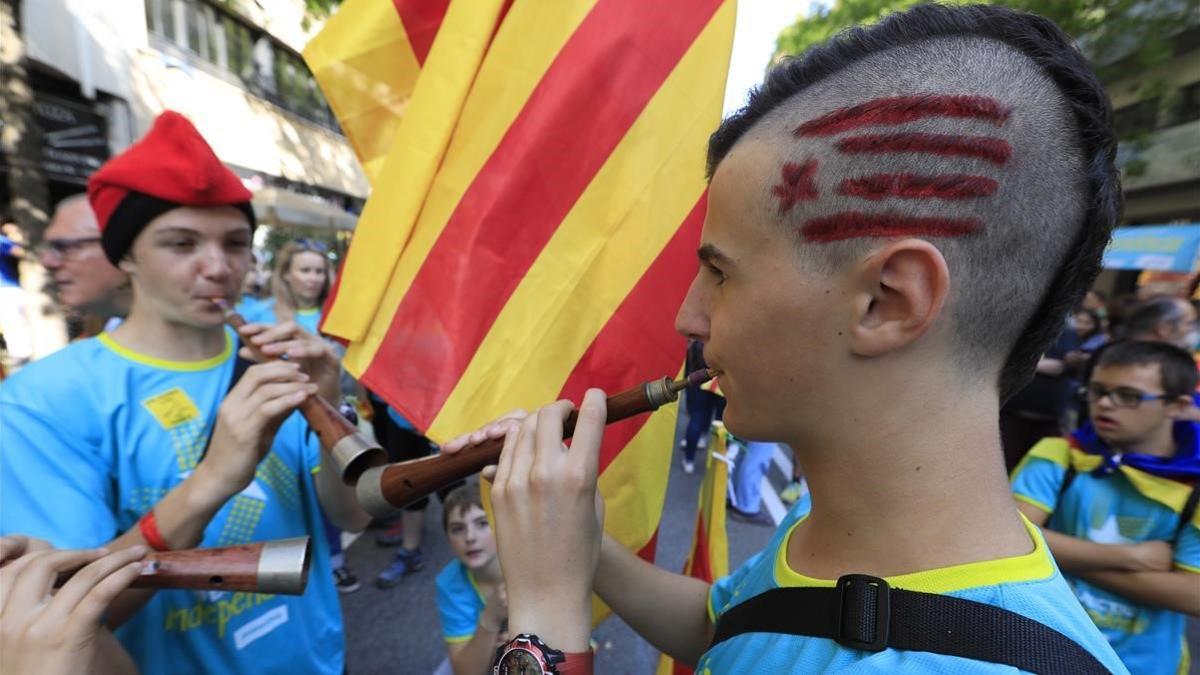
(345,580)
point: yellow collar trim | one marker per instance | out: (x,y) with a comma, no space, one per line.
(474,584)
(1033,566)
(1170,493)
(182,366)
(309,312)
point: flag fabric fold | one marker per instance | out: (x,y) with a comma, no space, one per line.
(536,205)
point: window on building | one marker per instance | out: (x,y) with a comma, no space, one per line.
(1187,106)
(160,18)
(1137,118)
(265,66)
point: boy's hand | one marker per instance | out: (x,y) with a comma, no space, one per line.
(41,632)
(1151,556)
(549,522)
(289,339)
(494,429)
(247,421)
(495,612)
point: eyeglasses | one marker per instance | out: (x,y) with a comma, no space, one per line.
(65,248)
(1123,397)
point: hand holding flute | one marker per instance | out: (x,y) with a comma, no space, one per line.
(61,634)
(351,451)
(384,489)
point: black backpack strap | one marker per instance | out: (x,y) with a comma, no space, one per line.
(863,612)
(1189,510)
(239,369)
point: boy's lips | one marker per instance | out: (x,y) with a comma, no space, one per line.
(1103,421)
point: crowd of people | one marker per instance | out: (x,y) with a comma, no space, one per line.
(877,341)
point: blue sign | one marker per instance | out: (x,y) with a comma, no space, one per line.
(1167,248)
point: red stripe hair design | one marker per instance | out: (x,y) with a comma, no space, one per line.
(912,186)
(895,110)
(855,224)
(993,150)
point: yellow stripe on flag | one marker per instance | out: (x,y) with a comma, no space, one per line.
(367,70)
(513,67)
(597,254)
(417,149)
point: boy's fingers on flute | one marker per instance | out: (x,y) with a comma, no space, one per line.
(28,582)
(589,434)
(504,467)
(84,598)
(14,546)
(497,428)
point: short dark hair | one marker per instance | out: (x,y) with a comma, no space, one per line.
(460,497)
(1147,315)
(1179,376)
(1070,268)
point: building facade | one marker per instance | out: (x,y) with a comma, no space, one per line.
(102,71)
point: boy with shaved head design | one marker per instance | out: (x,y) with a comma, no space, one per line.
(898,221)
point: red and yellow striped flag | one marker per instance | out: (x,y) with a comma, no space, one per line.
(708,559)
(533,219)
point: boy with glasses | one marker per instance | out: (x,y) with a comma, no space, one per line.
(1117,501)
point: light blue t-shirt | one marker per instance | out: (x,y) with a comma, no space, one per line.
(459,602)
(1111,510)
(264,312)
(95,435)
(1028,584)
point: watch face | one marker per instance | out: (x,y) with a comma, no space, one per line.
(520,662)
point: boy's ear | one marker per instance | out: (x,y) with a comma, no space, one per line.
(1182,406)
(126,264)
(902,288)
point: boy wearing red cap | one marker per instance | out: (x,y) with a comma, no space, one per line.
(142,435)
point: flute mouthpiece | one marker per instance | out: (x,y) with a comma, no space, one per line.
(693,379)
(222,303)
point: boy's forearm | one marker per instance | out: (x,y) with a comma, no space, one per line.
(1177,591)
(669,610)
(475,656)
(1077,556)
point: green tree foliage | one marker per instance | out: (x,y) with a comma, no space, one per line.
(1120,36)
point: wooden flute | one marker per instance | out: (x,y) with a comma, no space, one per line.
(351,450)
(279,566)
(383,489)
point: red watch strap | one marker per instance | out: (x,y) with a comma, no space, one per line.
(149,529)
(576,663)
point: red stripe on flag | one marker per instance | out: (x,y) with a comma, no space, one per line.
(855,224)
(901,109)
(648,551)
(995,150)
(701,562)
(639,341)
(545,161)
(421,19)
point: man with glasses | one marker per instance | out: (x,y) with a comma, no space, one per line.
(84,280)
(1117,502)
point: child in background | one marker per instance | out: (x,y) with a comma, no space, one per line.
(1112,500)
(470,589)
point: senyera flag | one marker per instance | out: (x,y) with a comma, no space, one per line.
(708,559)
(533,221)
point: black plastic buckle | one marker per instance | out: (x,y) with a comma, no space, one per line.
(864,612)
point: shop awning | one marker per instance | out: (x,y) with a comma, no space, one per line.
(275,206)
(1170,248)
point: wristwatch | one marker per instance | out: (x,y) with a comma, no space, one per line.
(527,655)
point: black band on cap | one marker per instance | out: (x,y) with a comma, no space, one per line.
(136,211)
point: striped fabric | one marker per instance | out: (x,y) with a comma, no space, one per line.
(538,197)
(708,559)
